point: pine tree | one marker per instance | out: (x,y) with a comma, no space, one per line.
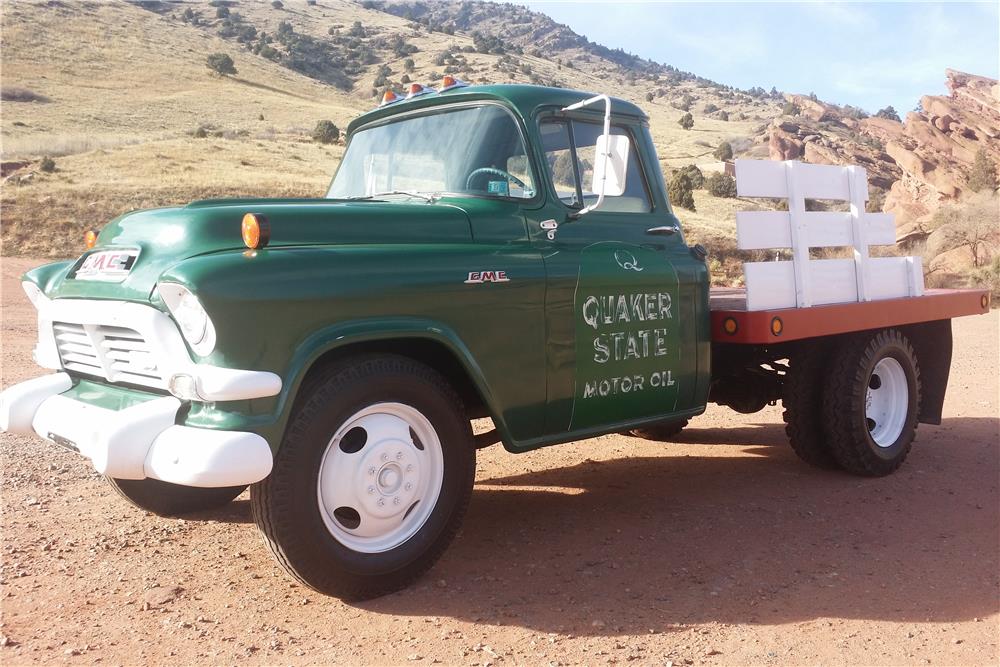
(984,173)
(723,152)
(680,192)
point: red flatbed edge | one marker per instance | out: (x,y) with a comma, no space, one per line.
(755,327)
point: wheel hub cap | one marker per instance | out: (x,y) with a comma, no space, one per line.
(887,402)
(380,477)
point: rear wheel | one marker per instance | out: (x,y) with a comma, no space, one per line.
(665,432)
(167,499)
(372,480)
(802,398)
(871,401)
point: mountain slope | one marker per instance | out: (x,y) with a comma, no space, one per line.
(120,95)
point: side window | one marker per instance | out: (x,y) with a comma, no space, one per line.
(562,140)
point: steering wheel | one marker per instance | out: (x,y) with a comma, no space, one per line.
(495,172)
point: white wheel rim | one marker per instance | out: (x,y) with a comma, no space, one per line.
(887,402)
(375,497)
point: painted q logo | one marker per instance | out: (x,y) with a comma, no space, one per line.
(627,260)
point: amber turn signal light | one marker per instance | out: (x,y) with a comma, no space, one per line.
(984,301)
(90,238)
(256,231)
(729,326)
(777,326)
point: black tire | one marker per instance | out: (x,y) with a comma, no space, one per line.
(665,432)
(166,499)
(847,424)
(802,398)
(286,506)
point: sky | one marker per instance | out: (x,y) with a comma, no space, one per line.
(866,54)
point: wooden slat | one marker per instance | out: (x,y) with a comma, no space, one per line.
(759,230)
(833,281)
(822,181)
(769,285)
(760,178)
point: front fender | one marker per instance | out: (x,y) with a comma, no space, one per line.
(345,334)
(281,309)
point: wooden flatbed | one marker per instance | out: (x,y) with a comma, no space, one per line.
(733,323)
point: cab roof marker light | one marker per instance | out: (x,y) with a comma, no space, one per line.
(416,90)
(449,82)
(389,97)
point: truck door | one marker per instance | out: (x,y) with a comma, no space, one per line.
(621,313)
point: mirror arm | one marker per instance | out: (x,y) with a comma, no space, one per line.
(607,133)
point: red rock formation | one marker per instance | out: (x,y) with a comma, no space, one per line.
(937,145)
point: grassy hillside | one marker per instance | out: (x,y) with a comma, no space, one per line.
(117,91)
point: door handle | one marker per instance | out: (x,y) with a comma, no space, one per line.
(667,230)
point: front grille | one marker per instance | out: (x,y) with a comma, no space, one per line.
(116,354)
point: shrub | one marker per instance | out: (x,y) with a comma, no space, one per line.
(408,64)
(694,175)
(222,12)
(326,132)
(888,113)
(686,121)
(984,173)
(221,63)
(721,185)
(711,108)
(680,192)
(989,277)
(201,132)
(723,152)
(684,103)
(12,94)
(724,115)
(48,165)
(790,109)
(278,4)
(649,97)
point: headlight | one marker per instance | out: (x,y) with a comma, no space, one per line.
(195,324)
(192,318)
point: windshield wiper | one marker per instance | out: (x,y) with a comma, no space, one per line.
(429,198)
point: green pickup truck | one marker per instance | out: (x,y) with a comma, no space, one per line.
(501,251)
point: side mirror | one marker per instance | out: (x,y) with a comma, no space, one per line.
(610,165)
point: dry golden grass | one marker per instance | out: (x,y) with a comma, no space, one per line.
(126,89)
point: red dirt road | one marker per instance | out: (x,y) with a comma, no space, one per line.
(720,549)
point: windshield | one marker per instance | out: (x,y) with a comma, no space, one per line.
(466,151)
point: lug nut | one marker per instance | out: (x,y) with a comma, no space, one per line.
(408,486)
(395,501)
(385,457)
(381,502)
(399,456)
(371,471)
(409,468)
(371,489)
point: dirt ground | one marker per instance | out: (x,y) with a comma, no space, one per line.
(720,549)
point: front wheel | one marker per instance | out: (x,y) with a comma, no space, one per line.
(871,399)
(372,479)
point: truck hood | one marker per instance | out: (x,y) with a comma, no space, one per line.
(166,236)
